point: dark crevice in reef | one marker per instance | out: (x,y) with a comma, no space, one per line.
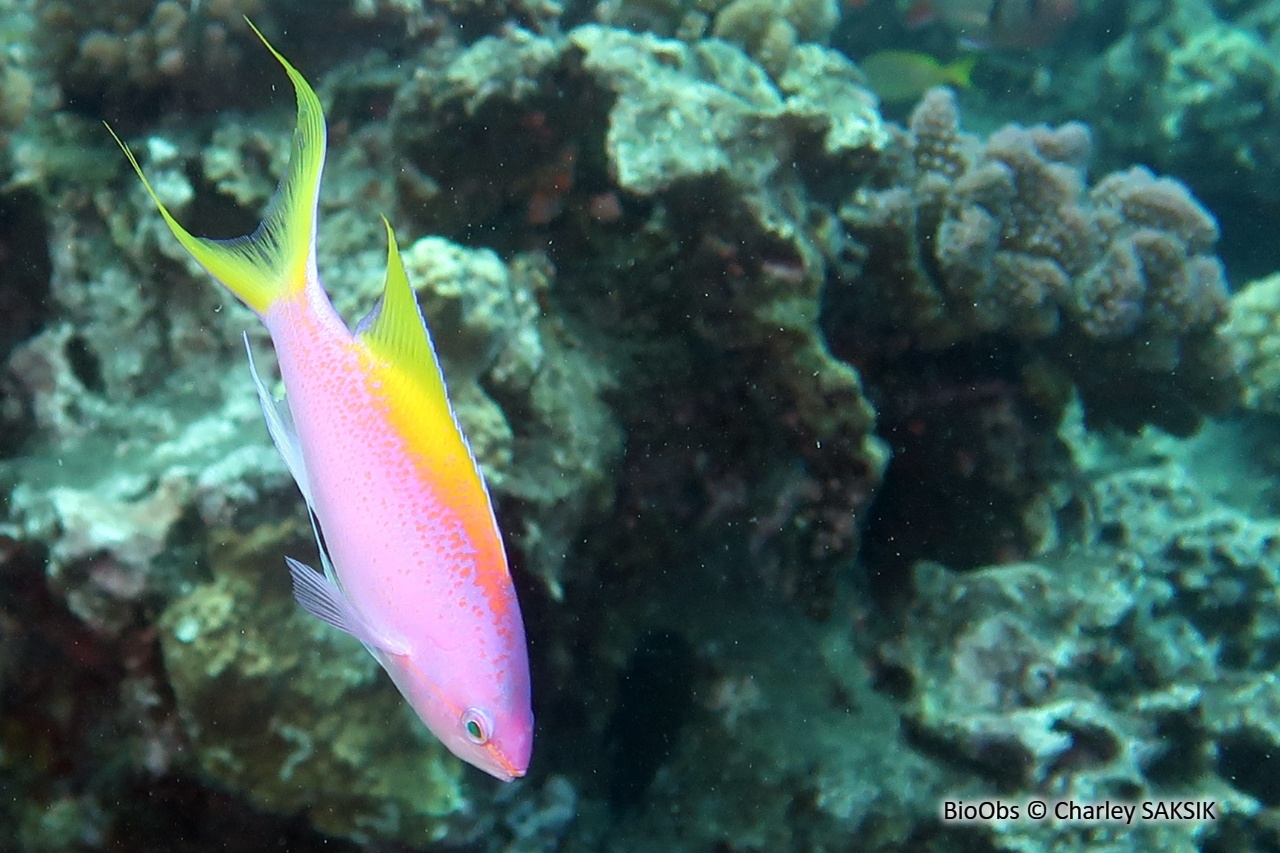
(971,452)
(158,810)
(25,270)
(1248,761)
(85,364)
(655,699)
(24,257)
(1183,747)
(548,184)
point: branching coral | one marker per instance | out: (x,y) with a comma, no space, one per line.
(1254,336)
(963,238)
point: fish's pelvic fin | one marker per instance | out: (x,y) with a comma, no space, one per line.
(322,598)
(285,437)
(325,561)
(280,425)
(276,259)
(396,331)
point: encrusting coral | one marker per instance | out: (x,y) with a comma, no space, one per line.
(1189,87)
(128,53)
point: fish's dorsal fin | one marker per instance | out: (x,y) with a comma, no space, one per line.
(396,331)
(322,598)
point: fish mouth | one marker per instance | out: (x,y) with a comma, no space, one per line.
(505,769)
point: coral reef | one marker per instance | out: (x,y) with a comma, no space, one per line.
(771,31)
(693,169)
(766,297)
(978,285)
(1114,287)
(1134,666)
(136,59)
(1197,89)
(1253,332)
(126,54)
(795,420)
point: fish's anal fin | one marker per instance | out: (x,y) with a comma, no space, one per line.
(321,597)
(280,425)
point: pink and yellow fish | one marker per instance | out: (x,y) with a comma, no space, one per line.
(414,563)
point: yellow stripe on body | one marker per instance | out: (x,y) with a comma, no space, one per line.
(446,471)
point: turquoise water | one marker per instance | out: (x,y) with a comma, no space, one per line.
(877,462)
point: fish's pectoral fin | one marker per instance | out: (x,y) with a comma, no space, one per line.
(322,598)
(280,425)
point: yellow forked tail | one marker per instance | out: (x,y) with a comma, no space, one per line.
(272,261)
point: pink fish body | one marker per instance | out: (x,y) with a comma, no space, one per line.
(415,567)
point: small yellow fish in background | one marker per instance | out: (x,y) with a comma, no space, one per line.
(897,76)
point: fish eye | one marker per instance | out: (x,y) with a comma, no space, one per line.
(477,726)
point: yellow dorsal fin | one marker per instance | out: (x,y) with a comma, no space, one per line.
(396,330)
(274,260)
